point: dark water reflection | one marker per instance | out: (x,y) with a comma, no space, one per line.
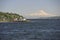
(34,30)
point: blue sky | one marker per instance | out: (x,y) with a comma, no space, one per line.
(27,7)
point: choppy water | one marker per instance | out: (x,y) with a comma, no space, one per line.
(34,30)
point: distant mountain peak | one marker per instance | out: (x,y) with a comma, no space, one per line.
(42,13)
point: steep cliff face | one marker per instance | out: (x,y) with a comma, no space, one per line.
(10,17)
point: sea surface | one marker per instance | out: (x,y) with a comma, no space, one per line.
(36,29)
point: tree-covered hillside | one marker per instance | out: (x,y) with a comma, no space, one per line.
(10,17)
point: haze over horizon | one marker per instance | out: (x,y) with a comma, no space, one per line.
(31,8)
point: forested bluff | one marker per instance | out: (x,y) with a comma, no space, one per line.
(10,17)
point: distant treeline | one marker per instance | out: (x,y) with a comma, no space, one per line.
(9,17)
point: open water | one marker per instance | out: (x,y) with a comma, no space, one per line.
(37,29)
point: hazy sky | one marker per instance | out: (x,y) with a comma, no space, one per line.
(31,8)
